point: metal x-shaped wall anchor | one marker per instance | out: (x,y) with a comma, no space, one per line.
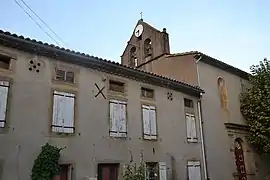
(100,91)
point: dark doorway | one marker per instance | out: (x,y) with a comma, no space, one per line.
(239,159)
(64,170)
(108,171)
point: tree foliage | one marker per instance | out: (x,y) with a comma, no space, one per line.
(46,165)
(134,172)
(255,106)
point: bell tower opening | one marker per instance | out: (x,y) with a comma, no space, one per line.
(147,48)
(133,61)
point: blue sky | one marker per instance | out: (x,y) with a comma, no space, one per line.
(236,32)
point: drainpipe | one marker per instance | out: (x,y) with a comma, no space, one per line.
(201,122)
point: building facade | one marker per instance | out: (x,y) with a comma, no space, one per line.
(224,148)
(102,114)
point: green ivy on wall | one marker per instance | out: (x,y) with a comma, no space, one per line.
(46,164)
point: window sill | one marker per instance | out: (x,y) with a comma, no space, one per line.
(195,140)
(6,71)
(74,84)
(116,136)
(150,139)
(62,135)
(117,93)
(4,130)
(147,99)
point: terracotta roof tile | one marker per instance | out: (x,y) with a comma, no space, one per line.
(60,53)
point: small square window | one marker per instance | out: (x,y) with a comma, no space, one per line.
(62,75)
(147,93)
(188,103)
(116,86)
(4,62)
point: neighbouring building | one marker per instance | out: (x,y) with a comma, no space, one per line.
(102,112)
(224,148)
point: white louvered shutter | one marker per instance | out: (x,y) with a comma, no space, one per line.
(162,171)
(57,116)
(188,126)
(197,170)
(122,120)
(191,173)
(146,122)
(4,86)
(113,118)
(193,127)
(67,112)
(194,170)
(153,122)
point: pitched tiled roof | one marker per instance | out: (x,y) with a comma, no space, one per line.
(48,50)
(216,63)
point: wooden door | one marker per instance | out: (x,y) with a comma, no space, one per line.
(239,160)
(64,171)
(108,171)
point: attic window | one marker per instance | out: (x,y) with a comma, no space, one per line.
(147,93)
(188,103)
(62,75)
(116,86)
(4,61)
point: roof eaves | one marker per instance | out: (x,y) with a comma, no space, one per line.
(224,66)
(216,63)
(44,49)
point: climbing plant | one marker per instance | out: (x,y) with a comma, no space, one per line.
(133,171)
(255,107)
(46,164)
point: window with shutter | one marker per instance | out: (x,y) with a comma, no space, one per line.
(194,170)
(191,127)
(118,119)
(63,112)
(162,171)
(149,122)
(4,87)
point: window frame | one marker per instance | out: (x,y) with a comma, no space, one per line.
(74,93)
(9,61)
(190,101)
(117,134)
(146,89)
(111,81)
(149,137)
(194,164)
(6,83)
(65,71)
(191,139)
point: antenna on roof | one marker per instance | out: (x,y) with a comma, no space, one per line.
(141,16)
